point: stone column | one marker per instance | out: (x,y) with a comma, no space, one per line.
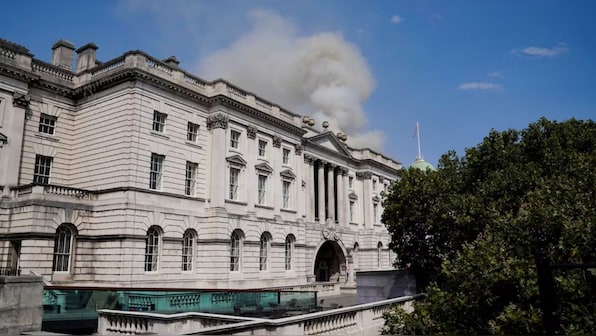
(346,202)
(331,191)
(310,188)
(12,122)
(366,198)
(341,215)
(250,153)
(217,124)
(321,188)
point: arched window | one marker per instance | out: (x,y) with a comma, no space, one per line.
(379,249)
(152,249)
(236,250)
(188,249)
(63,248)
(264,251)
(290,239)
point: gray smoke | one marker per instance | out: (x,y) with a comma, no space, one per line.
(322,75)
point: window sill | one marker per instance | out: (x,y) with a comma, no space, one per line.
(288,210)
(46,136)
(263,206)
(158,134)
(235,202)
(193,144)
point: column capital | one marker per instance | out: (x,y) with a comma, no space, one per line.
(276,141)
(298,149)
(309,159)
(20,100)
(218,120)
(331,165)
(363,175)
(251,132)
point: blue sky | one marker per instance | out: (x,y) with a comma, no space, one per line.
(460,68)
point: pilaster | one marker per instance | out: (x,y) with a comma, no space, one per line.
(321,189)
(218,124)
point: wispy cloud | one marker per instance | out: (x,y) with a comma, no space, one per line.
(540,52)
(480,86)
(495,74)
(396,19)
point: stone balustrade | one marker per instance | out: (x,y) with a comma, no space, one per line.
(47,69)
(365,319)
(33,189)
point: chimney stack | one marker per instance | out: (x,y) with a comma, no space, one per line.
(62,54)
(86,57)
(172,61)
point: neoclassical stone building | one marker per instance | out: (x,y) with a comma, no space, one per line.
(133,172)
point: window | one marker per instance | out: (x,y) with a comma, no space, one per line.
(156,171)
(286,193)
(152,249)
(379,254)
(234,139)
(289,251)
(192,132)
(159,121)
(191,178)
(47,124)
(351,211)
(62,249)
(234,175)
(375,207)
(286,156)
(235,250)
(262,187)
(264,252)
(351,182)
(262,148)
(43,166)
(188,247)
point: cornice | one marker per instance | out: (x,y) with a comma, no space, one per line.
(17,73)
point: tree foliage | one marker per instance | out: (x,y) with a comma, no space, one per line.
(473,230)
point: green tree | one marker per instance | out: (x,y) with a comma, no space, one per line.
(473,230)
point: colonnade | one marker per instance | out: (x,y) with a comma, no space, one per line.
(328,197)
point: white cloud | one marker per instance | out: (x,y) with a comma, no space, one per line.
(495,74)
(540,52)
(320,75)
(396,19)
(480,86)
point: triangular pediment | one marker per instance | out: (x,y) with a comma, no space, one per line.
(353,196)
(330,142)
(236,159)
(287,174)
(264,167)
(3,138)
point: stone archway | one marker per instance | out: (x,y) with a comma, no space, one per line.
(330,262)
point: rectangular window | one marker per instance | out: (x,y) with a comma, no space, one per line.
(351,211)
(262,187)
(375,207)
(192,132)
(262,148)
(156,171)
(159,121)
(43,166)
(47,124)
(191,178)
(234,175)
(286,156)
(286,193)
(351,182)
(234,139)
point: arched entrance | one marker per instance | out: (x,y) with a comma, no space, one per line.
(330,262)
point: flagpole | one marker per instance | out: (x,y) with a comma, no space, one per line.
(418,137)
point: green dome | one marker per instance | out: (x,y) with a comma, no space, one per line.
(422,165)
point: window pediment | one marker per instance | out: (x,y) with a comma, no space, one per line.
(3,139)
(353,196)
(236,159)
(376,199)
(287,174)
(264,167)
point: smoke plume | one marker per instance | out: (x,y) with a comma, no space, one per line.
(322,75)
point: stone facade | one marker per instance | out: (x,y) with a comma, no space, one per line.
(133,172)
